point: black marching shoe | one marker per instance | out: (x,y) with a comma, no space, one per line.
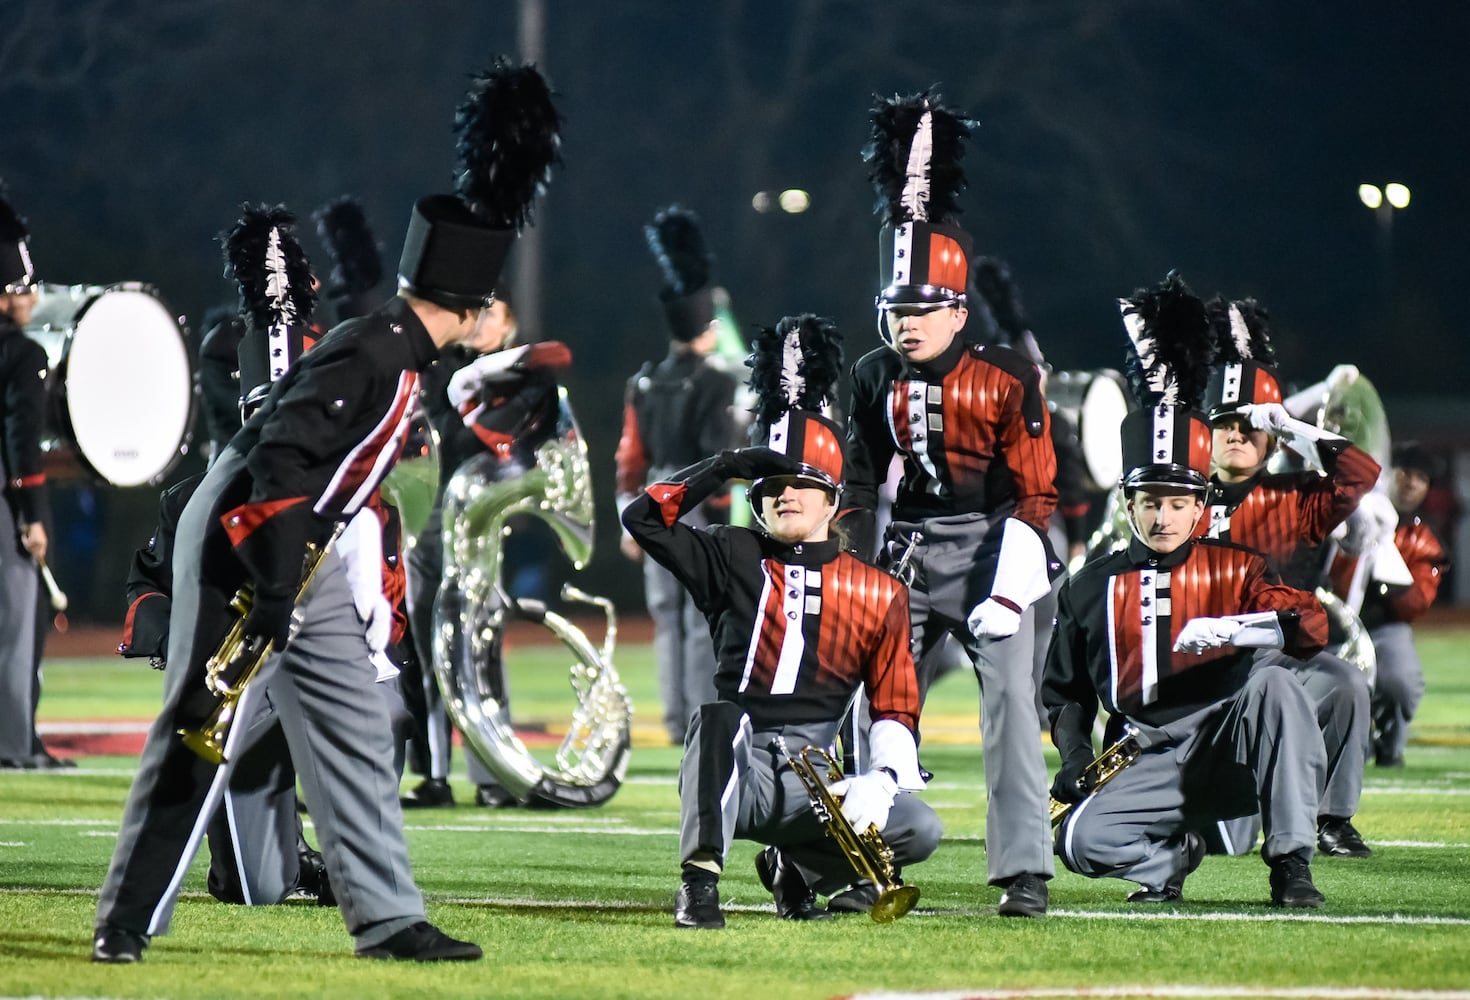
(859,897)
(697,907)
(493,797)
(428,794)
(795,900)
(1340,839)
(117,946)
(1173,890)
(423,942)
(1291,883)
(1024,896)
(312,880)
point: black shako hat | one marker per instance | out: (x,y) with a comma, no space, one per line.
(277,296)
(913,158)
(1245,372)
(508,139)
(1167,441)
(687,294)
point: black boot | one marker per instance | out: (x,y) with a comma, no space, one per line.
(697,907)
(795,900)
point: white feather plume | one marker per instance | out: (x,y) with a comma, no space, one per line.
(915,197)
(277,284)
(1239,332)
(792,381)
(1158,376)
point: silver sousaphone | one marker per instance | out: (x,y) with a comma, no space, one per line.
(549,480)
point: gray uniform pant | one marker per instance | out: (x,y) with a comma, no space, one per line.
(340,737)
(1017,828)
(734,784)
(683,651)
(1396,691)
(21,583)
(1260,750)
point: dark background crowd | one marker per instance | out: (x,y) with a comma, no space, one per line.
(1115,141)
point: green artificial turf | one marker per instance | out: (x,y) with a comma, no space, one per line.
(579,903)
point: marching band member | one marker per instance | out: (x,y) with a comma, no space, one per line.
(798,624)
(1287,517)
(484,397)
(1163,632)
(320,444)
(23,508)
(971,426)
(1388,612)
(675,413)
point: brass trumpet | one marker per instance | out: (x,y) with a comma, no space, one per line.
(238,659)
(1102,769)
(867,852)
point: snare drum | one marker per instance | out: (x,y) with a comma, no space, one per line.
(1096,402)
(120,390)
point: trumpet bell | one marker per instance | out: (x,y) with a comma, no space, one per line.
(894,902)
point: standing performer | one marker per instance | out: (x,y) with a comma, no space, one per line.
(775,679)
(675,413)
(978,475)
(320,444)
(1388,613)
(23,509)
(1287,517)
(1163,633)
(481,396)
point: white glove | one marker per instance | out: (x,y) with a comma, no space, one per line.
(465,384)
(1200,634)
(379,622)
(993,620)
(866,798)
(1341,377)
(1271,417)
(1372,524)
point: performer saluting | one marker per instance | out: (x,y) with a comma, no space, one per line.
(1287,517)
(797,624)
(322,441)
(1163,633)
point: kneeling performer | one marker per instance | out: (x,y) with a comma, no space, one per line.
(798,625)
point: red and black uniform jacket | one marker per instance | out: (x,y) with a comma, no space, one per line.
(796,628)
(23,367)
(674,414)
(323,440)
(1382,604)
(1118,620)
(972,427)
(1287,517)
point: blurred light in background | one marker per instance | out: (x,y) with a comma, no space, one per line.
(792,201)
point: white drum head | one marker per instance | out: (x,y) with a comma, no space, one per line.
(129,387)
(1104,405)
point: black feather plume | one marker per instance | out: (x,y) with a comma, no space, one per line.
(508,140)
(678,246)
(795,365)
(994,283)
(273,272)
(343,228)
(1170,346)
(1241,330)
(926,185)
(12,226)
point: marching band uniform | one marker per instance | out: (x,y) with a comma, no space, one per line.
(971,426)
(1388,613)
(1162,636)
(1287,517)
(329,430)
(675,413)
(23,507)
(796,629)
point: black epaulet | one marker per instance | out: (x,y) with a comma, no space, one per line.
(1012,362)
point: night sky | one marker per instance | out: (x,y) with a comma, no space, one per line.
(1116,141)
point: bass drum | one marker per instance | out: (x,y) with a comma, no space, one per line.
(120,385)
(1096,402)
